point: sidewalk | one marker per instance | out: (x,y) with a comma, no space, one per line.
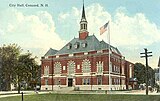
(133,92)
(15,93)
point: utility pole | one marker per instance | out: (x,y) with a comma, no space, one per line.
(146,57)
(52,72)
(159,73)
(1,78)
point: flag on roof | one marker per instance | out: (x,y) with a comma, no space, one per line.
(104,28)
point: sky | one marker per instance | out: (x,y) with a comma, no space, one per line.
(134,25)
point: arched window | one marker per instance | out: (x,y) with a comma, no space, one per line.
(86,66)
(57,68)
(71,67)
(99,67)
(46,70)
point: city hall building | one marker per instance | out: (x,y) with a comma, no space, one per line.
(83,63)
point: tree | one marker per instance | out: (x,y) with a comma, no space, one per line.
(9,55)
(140,74)
(26,71)
(30,69)
(18,68)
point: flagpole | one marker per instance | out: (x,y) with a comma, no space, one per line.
(109,56)
(102,30)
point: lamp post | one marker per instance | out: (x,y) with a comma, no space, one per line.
(146,57)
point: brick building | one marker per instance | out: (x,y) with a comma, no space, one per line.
(83,63)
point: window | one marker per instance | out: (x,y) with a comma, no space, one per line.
(123,82)
(69,46)
(57,81)
(84,44)
(99,67)
(71,67)
(46,81)
(130,71)
(114,81)
(110,66)
(57,68)
(122,69)
(78,66)
(99,80)
(114,68)
(76,45)
(117,81)
(118,70)
(46,70)
(86,66)
(86,81)
(81,26)
(64,67)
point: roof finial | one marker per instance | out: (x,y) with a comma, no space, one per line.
(83,2)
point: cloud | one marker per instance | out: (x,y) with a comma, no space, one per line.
(30,31)
(63,15)
(135,30)
(130,33)
(37,31)
(1,32)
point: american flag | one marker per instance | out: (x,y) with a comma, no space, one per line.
(103,28)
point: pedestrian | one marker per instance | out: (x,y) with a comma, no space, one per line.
(157,88)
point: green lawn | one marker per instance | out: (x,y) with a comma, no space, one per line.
(83,97)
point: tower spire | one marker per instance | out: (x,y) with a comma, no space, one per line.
(83,12)
(83,33)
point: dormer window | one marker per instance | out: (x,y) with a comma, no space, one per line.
(84,44)
(69,46)
(76,45)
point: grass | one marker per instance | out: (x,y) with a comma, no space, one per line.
(83,97)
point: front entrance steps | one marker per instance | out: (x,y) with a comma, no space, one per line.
(64,90)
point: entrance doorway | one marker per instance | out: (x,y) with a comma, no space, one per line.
(70,82)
